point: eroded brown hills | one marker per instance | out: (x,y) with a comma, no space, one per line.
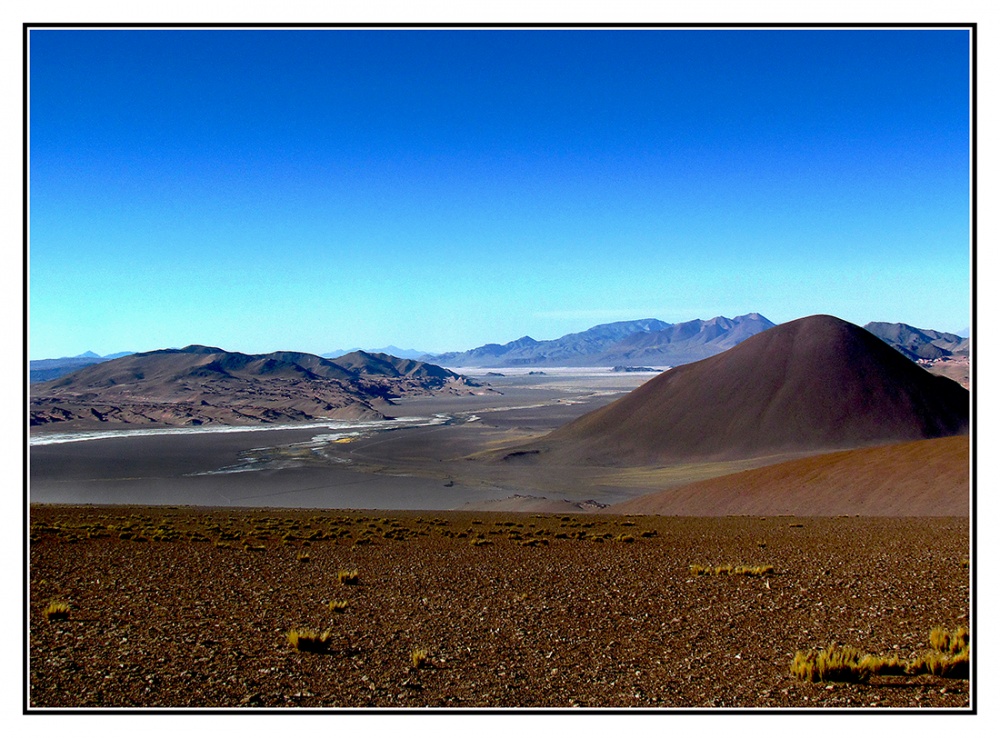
(921,478)
(199,385)
(811,385)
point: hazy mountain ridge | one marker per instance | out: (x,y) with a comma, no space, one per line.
(686,342)
(648,341)
(42,370)
(199,385)
(390,350)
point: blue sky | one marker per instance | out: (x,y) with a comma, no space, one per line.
(313,190)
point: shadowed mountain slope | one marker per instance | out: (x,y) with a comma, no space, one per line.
(919,343)
(814,384)
(921,478)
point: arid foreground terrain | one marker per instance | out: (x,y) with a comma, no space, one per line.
(191,607)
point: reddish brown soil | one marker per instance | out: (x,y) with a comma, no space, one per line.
(585,620)
(814,384)
(924,478)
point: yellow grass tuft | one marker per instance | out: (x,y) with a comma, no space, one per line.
(832,664)
(950,659)
(56,610)
(936,663)
(885,665)
(337,605)
(347,577)
(732,570)
(308,639)
(418,657)
(947,641)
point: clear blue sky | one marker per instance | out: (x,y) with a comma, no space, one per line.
(313,190)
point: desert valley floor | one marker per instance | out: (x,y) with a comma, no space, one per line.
(422,467)
(482,580)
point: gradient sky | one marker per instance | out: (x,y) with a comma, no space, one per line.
(261,190)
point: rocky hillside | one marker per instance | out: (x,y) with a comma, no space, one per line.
(199,385)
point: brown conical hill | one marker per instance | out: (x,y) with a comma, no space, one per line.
(813,384)
(920,478)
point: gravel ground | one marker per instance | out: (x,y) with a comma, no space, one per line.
(190,607)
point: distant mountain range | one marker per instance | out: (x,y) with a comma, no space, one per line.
(391,350)
(200,385)
(647,341)
(42,370)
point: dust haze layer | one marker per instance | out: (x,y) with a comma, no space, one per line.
(814,384)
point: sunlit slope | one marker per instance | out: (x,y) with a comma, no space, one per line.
(921,478)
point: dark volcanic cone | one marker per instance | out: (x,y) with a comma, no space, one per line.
(814,384)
